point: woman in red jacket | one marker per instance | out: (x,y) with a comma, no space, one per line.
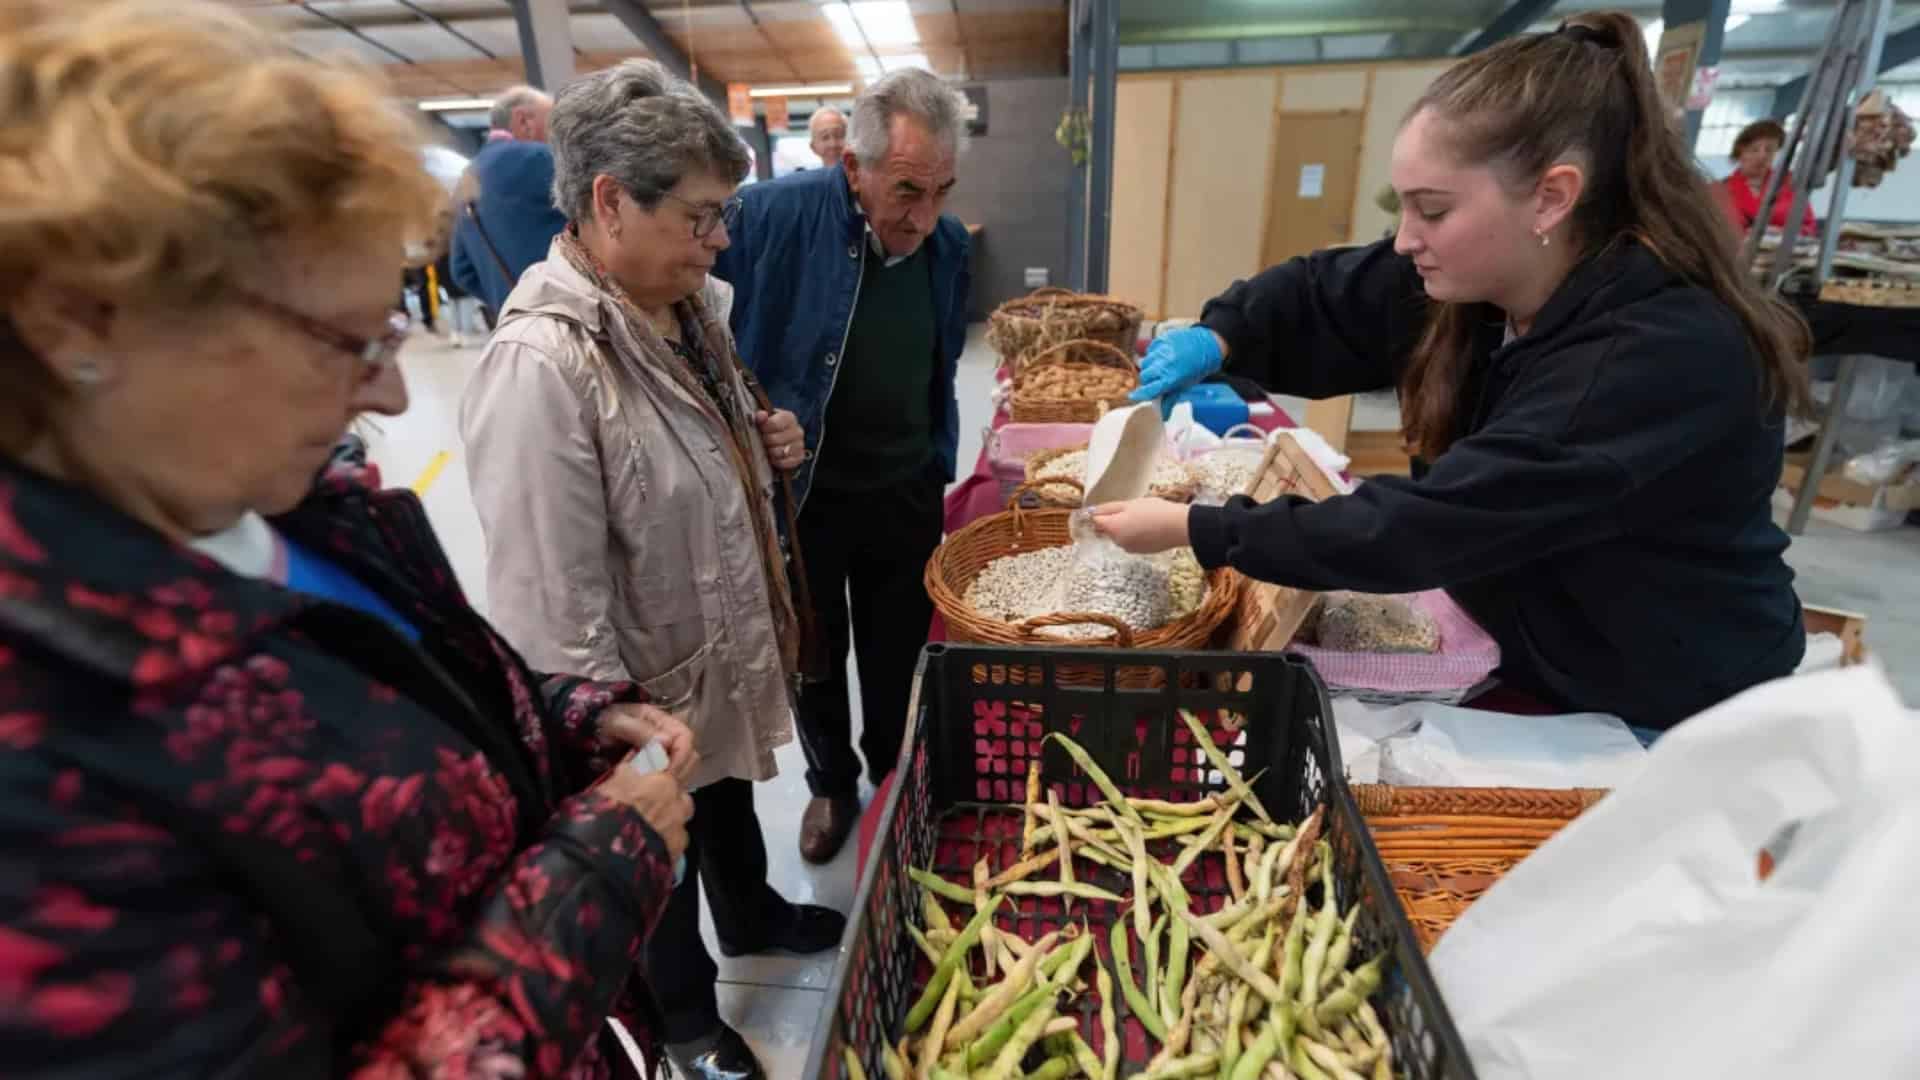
(274,801)
(1754,151)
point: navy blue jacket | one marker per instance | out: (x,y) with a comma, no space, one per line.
(1606,510)
(795,265)
(516,205)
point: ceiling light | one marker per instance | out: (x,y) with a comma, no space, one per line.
(867,66)
(887,22)
(841,16)
(1654,30)
(1756,7)
(892,64)
(808,90)
(456,104)
(1735,22)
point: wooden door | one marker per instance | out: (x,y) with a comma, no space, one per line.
(1314,166)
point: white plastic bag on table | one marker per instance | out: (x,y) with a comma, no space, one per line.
(1883,466)
(1641,941)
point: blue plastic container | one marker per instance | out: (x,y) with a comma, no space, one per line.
(1215,406)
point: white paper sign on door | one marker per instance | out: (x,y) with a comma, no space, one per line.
(1313,180)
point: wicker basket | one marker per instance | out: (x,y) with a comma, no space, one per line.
(960,559)
(1020,329)
(1070,493)
(1444,847)
(1028,406)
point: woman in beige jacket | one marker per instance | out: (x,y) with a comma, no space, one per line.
(623,467)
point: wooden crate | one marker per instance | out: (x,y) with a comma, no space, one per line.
(1269,615)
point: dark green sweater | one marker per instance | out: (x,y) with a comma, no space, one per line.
(879,424)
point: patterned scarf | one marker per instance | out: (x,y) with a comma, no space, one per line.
(742,436)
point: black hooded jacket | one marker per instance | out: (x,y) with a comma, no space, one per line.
(1606,509)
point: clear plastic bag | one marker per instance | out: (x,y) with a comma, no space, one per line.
(1104,579)
(1362,622)
(1886,465)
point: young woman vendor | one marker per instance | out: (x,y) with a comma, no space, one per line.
(1596,390)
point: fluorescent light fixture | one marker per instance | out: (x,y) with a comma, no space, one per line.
(892,64)
(867,66)
(1735,22)
(808,90)
(1756,7)
(841,16)
(1654,30)
(887,22)
(456,104)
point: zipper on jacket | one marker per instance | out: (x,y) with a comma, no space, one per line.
(859,278)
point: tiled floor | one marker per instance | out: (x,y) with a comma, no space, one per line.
(776,1002)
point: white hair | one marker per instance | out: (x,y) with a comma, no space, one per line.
(642,125)
(919,94)
(501,116)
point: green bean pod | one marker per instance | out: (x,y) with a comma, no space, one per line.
(1152,949)
(983,1049)
(1343,942)
(1186,1068)
(1099,777)
(1302,1064)
(940,885)
(1291,953)
(1235,781)
(1007,1064)
(1065,962)
(1148,1016)
(855,1070)
(1314,965)
(1205,842)
(1109,1029)
(892,1065)
(1254,1062)
(1360,986)
(922,1010)
(1054,890)
(1083,1056)
(1058,1068)
(1236,1027)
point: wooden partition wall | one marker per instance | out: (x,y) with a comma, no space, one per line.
(1219,174)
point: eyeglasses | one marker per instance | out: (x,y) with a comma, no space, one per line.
(708,215)
(373,355)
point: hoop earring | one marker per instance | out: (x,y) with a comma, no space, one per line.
(88,373)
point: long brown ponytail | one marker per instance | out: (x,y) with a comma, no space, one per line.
(1586,94)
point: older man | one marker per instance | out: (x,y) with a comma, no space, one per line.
(850,305)
(507,217)
(827,135)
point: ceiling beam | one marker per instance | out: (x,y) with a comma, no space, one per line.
(1900,48)
(1517,16)
(643,26)
(1174,33)
(436,20)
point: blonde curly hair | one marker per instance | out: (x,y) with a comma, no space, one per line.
(157,151)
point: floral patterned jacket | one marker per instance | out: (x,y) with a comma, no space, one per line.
(243,830)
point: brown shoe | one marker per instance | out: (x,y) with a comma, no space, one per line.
(825,826)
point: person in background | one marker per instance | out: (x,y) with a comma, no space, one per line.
(1597,391)
(850,305)
(1753,152)
(827,135)
(506,212)
(275,801)
(623,469)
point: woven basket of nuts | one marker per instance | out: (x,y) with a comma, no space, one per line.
(965,554)
(1021,328)
(1072,383)
(1056,473)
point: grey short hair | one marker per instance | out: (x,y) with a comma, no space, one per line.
(919,94)
(501,116)
(642,125)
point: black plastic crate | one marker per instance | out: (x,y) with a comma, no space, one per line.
(979,715)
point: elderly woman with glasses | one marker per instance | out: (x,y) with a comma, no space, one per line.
(624,465)
(275,800)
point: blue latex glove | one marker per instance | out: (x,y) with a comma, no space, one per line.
(1176,360)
